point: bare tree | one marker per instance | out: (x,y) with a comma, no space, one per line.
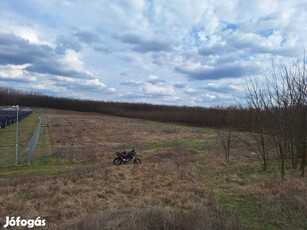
(257,101)
(279,112)
(225,140)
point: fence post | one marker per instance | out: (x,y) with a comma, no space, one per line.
(16,150)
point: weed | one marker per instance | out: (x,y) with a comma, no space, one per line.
(183,182)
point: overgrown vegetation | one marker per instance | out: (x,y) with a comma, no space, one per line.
(279,112)
(184,181)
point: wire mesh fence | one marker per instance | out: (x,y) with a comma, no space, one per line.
(32,143)
(17,145)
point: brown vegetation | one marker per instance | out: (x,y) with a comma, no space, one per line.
(217,116)
(183,182)
(161,193)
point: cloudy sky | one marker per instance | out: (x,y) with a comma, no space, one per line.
(182,52)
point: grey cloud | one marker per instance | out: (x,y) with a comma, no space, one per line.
(248,44)
(87,37)
(131,38)
(143,45)
(152,46)
(15,80)
(179,85)
(228,71)
(101,48)
(67,42)
(155,81)
(17,51)
(42,58)
(256,44)
(77,87)
(53,67)
(81,85)
(140,96)
(213,50)
(131,83)
(75,40)
(218,89)
(225,90)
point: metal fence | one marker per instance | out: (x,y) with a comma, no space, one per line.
(17,145)
(33,141)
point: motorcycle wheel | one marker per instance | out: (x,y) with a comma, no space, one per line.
(117,161)
(137,161)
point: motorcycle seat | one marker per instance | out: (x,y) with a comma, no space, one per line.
(124,153)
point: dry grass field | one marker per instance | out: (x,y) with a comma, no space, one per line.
(184,181)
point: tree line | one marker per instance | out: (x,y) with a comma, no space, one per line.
(200,116)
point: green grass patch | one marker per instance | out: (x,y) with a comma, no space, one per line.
(26,128)
(43,147)
(211,133)
(192,143)
(188,143)
(41,166)
(248,210)
(232,183)
(45,160)
(253,211)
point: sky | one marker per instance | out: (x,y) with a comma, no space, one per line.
(174,52)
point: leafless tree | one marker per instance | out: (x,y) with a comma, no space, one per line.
(257,102)
(279,112)
(224,137)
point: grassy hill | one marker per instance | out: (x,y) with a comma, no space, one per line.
(184,181)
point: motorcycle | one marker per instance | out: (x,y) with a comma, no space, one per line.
(126,158)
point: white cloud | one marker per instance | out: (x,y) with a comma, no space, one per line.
(191,91)
(158,50)
(95,83)
(16,73)
(155,80)
(131,83)
(72,61)
(209,96)
(158,91)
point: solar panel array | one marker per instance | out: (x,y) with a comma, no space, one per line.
(8,117)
